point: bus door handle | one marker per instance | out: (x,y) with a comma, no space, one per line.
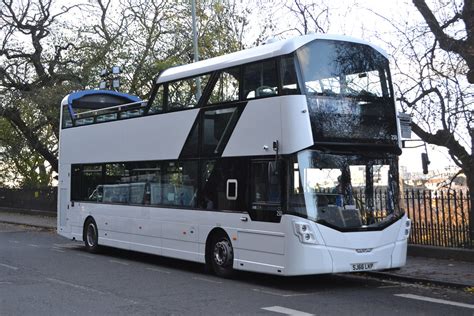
(244,219)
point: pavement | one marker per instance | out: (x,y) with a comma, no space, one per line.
(443,272)
(41,219)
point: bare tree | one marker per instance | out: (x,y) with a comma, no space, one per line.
(26,66)
(432,69)
(311,16)
(145,34)
(48,50)
(43,57)
(463,46)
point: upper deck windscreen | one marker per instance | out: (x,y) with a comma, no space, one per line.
(349,92)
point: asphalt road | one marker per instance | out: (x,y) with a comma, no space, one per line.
(42,273)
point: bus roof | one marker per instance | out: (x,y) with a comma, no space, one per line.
(88,98)
(261,52)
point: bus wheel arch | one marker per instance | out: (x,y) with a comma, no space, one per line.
(219,253)
(90,235)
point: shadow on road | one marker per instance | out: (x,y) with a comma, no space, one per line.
(298,284)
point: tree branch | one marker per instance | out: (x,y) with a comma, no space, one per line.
(464,48)
(14,117)
(446,139)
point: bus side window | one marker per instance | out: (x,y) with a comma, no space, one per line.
(157,105)
(226,88)
(223,185)
(288,76)
(266,188)
(180,183)
(260,80)
(86,181)
(67,119)
(186,93)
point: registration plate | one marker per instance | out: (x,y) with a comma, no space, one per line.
(362,266)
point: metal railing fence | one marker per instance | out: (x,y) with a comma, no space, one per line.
(439,218)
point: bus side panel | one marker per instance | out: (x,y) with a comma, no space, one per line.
(180,240)
(258,126)
(62,221)
(260,250)
(64,201)
(264,121)
(295,124)
(106,142)
(258,246)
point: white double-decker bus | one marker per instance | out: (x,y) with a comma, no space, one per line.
(280,159)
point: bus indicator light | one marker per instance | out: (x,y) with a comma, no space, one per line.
(304,233)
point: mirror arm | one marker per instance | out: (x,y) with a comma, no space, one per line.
(276,148)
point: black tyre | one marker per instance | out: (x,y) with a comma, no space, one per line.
(91,236)
(222,256)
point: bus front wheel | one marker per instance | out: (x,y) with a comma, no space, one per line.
(222,257)
(91,236)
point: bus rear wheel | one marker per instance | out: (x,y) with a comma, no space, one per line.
(91,236)
(222,256)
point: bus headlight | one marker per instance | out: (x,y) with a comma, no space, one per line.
(407,227)
(304,232)
(405,230)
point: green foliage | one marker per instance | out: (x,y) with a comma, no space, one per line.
(19,165)
(62,48)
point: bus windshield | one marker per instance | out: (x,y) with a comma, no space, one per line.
(345,191)
(335,68)
(349,93)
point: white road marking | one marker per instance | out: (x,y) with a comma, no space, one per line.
(57,250)
(207,280)
(5,282)
(33,245)
(286,311)
(76,286)
(119,262)
(14,241)
(435,300)
(8,266)
(85,256)
(281,294)
(158,270)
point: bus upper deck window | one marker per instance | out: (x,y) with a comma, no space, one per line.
(226,88)
(260,80)
(288,76)
(186,93)
(157,103)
